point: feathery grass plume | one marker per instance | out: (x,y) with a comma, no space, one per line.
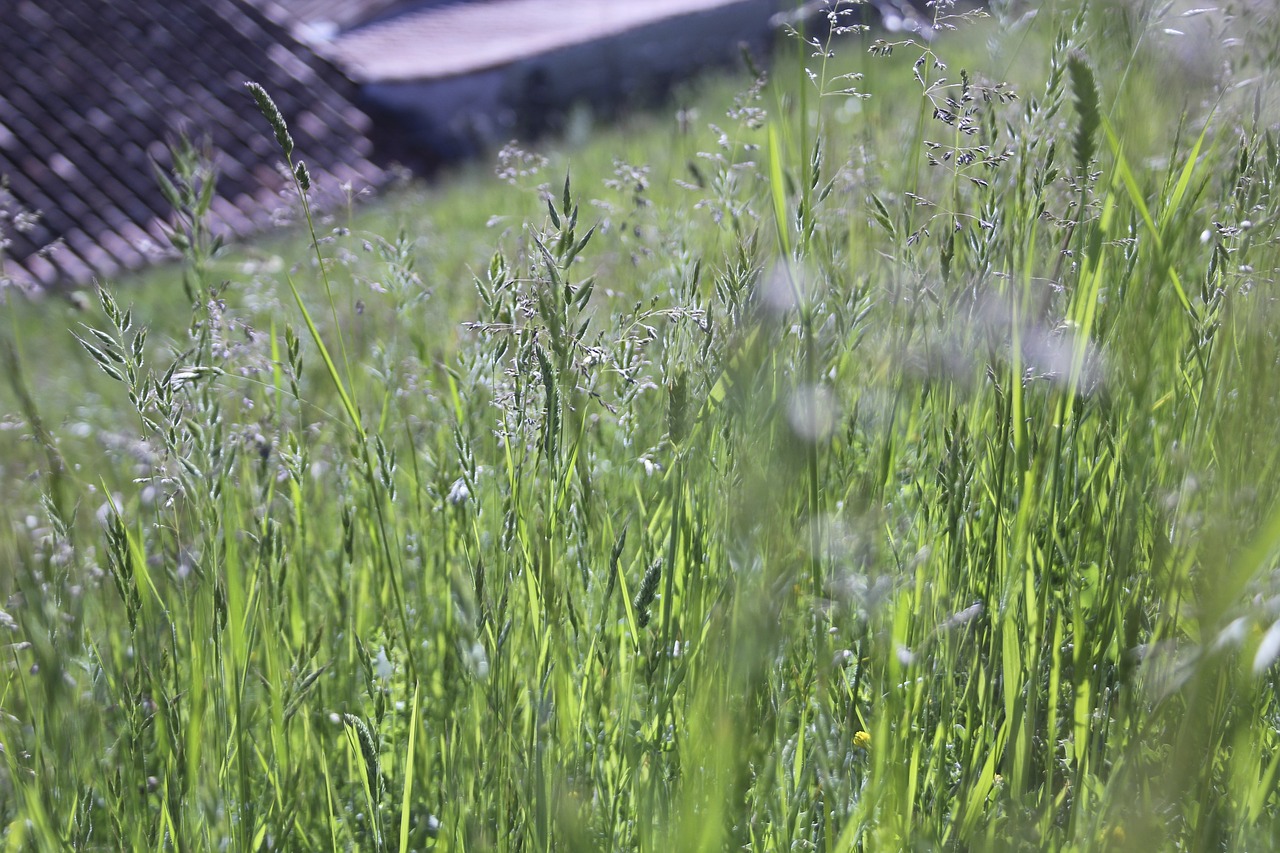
(615,560)
(272,114)
(551,418)
(648,591)
(189,186)
(15,218)
(301,174)
(122,566)
(369,752)
(678,406)
(1085,89)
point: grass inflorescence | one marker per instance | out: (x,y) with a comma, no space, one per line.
(879,455)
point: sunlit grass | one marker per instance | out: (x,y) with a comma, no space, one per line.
(858,473)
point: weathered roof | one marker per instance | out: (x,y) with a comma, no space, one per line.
(462,38)
(91,91)
(320,20)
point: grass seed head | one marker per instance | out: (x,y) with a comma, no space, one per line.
(271,113)
(648,591)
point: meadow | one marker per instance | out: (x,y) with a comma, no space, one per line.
(874,449)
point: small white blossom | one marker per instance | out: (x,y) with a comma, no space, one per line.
(459,493)
(382,667)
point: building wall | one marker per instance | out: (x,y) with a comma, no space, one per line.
(433,121)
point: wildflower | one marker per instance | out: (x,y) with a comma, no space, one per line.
(862,740)
(459,493)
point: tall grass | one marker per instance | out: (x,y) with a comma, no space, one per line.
(889,466)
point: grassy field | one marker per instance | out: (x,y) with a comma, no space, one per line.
(874,454)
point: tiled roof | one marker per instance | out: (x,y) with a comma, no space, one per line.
(90,91)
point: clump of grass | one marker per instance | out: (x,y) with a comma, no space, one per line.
(830,491)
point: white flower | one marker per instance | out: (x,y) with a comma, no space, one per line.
(459,493)
(382,667)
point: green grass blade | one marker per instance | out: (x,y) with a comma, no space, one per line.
(778,191)
(1125,174)
(406,798)
(329,365)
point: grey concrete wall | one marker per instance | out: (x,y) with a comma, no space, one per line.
(433,121)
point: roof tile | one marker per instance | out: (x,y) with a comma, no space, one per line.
(93,91)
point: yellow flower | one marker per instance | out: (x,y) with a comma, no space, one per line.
(862,740)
